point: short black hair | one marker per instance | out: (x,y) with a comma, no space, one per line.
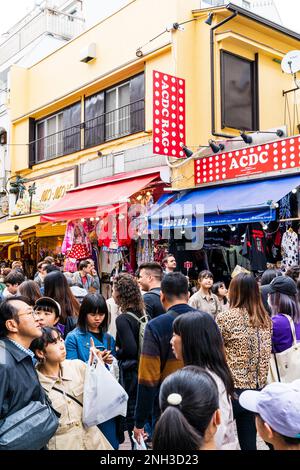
(205,273)
(93,303)
(175,285)
(14,277)
(268,276)
(49,268)
(8,311)
(47,338)
(155,268)
(84,264)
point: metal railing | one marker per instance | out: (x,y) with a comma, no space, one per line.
(58,144)
(47,21)
(112,125)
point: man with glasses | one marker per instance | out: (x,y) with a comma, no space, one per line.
(149,278)
(19,384)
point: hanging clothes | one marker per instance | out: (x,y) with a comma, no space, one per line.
(289,247)
(255,247)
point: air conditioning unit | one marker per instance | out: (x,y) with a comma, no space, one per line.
(88,53)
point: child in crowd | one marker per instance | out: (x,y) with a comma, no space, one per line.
(219,289)
(63,381)
(189,419)
(49,312)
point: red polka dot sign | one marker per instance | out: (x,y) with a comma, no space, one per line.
(267,158)
(168,115)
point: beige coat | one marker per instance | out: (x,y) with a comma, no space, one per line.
(71,434)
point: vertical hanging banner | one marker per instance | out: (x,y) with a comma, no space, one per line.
(168,115)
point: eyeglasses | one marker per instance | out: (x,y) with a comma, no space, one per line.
(29,312)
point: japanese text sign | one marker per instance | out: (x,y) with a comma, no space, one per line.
(256,160)
(168,115)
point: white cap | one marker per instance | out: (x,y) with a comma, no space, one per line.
(278,404)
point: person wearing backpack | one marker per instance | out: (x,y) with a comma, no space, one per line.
(149,278)
(157,360)
(130,326)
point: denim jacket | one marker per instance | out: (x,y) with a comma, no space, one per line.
(78,344)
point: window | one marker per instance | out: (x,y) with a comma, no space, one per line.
(58,134)
(115,112)
(239,98)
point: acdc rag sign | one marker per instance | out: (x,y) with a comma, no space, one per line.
(168,115)
(273,157)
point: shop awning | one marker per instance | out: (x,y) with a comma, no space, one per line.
(99,197)
(232,204)
(7,231)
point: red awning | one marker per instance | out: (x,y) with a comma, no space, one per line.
(97,198)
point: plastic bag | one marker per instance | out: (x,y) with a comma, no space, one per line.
(137,445)
(103,397)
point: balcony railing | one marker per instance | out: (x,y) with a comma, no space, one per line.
(112,125)
(48,21)
(58,144)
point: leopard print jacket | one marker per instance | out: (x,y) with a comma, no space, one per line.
(248,348)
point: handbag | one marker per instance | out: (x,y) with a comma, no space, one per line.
(285,366)
(103,397)
(29,428)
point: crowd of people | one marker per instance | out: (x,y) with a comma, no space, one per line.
(195,365)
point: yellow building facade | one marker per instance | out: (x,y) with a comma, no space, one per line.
(54,104)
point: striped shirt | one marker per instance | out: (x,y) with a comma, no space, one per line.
(156,361)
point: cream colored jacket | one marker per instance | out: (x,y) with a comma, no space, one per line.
(71,434)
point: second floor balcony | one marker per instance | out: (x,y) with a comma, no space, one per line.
(120,122)
(47,21)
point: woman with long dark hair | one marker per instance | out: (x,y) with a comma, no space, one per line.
(219,289)
(247,330)
(92,325)
(189,403)
(128,297)
(56,287)
(197,341)
(204,300)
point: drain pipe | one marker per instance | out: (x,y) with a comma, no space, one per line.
(212,76)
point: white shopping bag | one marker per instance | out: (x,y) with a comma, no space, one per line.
(103,397)
(137,445)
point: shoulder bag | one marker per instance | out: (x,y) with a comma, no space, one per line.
(29,428)
(285,366)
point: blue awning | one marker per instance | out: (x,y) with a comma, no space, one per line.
(232,204)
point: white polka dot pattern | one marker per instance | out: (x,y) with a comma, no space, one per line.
(168,115)
(267,158)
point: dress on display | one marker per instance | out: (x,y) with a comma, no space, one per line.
(289,247)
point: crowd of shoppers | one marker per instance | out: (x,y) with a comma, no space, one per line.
(194,368)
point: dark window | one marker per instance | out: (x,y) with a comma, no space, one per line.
(239,92)
(115,112)
(58,134)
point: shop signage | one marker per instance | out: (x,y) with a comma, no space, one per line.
(48,190)
(271,158)
(168,115)
(188,264)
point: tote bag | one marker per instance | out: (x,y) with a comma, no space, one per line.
(103,396)
(285,366)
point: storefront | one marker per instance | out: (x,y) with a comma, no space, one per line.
(244,210)
(22,235)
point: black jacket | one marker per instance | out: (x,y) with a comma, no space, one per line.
(153,304)
(19,383)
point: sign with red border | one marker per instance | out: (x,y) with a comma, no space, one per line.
(272,158)
(168,115)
